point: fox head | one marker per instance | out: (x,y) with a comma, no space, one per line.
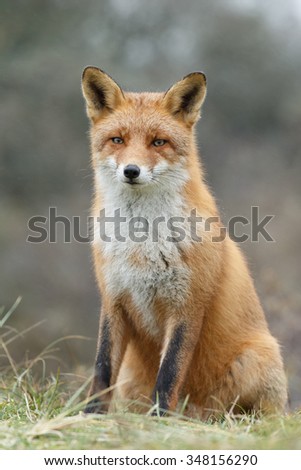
(142,140)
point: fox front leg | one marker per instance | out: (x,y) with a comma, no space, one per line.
(176,358)
(110,351)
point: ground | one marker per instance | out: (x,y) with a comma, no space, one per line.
(41,411)
(44,417)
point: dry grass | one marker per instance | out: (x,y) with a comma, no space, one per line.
(42,411)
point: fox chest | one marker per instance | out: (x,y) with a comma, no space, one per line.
(147,272)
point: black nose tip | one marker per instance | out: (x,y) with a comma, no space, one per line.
(131,171)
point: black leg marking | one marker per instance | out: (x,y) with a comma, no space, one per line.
(94,406)
(169,371)
(103,360)
(102,376)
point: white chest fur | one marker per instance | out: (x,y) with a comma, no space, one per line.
(148,269)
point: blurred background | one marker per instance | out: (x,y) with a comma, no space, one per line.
(249,135)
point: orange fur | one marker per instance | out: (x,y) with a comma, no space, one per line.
(218,335)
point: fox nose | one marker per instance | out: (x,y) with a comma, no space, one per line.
(131,171)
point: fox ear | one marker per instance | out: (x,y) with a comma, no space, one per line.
(100,92)
(185,98)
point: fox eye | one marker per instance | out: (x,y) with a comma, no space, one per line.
(159,142)
(117,140)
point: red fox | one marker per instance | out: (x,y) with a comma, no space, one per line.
(180,321)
